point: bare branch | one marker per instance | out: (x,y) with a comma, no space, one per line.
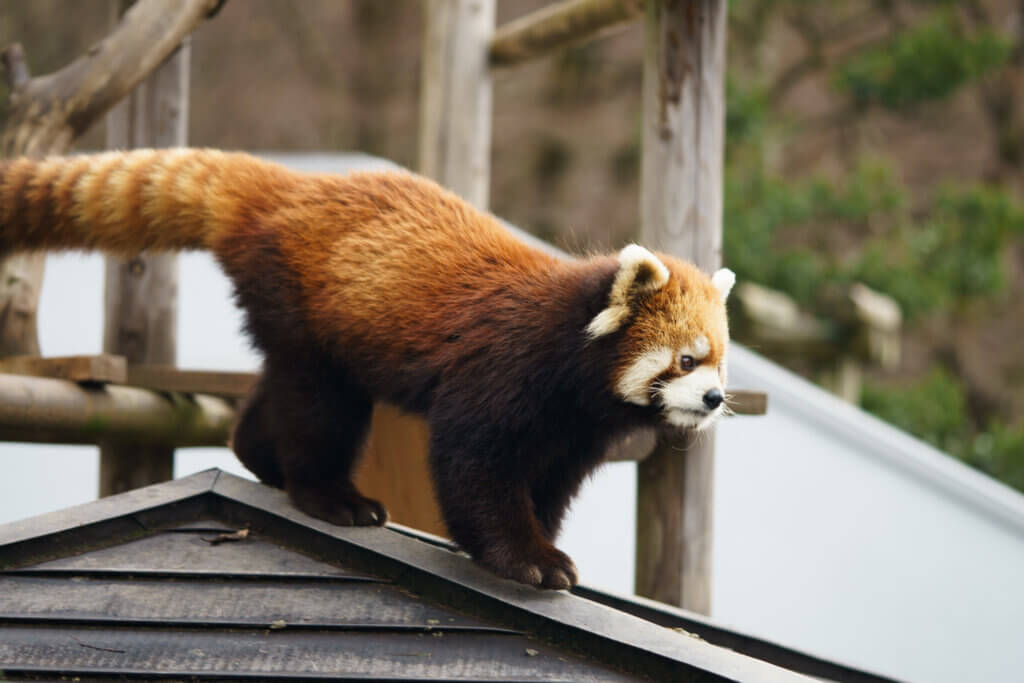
(558,25)
(52,110)
(15,68)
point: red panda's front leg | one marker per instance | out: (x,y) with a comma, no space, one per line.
(489,512)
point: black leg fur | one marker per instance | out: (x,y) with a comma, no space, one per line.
(253,439)
(500,531)
(321,419)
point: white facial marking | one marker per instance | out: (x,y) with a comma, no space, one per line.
(700,349)
(683,398)
(723,280)
(635,383)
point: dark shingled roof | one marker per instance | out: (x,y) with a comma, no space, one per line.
(145,585)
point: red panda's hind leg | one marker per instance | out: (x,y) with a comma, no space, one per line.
(253,439)
(321,421)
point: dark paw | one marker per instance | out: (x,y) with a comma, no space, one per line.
(351,509)
(543,567)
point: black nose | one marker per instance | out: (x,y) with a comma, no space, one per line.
(713,399)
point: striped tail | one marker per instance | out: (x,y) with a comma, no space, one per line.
(124,202)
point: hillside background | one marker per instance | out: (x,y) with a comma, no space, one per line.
(879,141)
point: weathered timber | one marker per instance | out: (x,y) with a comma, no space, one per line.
(559,25)
(742,402)
(21,275)
(100,368)
(681,213)
(396,470)
(141,292)
(166,378)
(455,103)
(43,410)
(47,113)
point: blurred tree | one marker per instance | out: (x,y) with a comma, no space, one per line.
(929,217)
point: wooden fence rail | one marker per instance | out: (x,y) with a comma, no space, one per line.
(44,410)
(559,25)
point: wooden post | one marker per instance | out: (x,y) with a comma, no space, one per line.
(455,148)
(141,293)
(455,104)
(21,275)
(681,213)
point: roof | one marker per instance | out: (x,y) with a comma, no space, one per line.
(145,584)
(874,438)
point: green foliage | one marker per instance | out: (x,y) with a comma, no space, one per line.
(952,256)
(927,62)
(937,251)
(999,451)
(745,113)
(759,207)
(933,408)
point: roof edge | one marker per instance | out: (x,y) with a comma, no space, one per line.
(105,509)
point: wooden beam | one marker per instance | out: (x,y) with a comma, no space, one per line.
(100,368)
(681,213)
(166,378)
(455,101)
(44,410)
(559,25)
(141,293)
(743,402)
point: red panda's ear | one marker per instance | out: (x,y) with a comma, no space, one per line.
(723,280)
(639,272)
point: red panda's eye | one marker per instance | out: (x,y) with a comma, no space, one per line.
(687,362)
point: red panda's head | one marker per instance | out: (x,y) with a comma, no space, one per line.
(674,336)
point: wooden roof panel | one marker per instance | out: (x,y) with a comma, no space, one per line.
(196,551)
(344,605)
(209,652)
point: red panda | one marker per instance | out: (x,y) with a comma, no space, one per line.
(384,286)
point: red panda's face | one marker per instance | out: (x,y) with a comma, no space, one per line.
(674,336)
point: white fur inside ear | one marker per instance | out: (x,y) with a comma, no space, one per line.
(631,257)
(633,260)
(723,280)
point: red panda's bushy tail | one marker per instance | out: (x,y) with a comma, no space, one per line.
(125,202)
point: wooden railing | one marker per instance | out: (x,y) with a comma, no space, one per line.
(681,189)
